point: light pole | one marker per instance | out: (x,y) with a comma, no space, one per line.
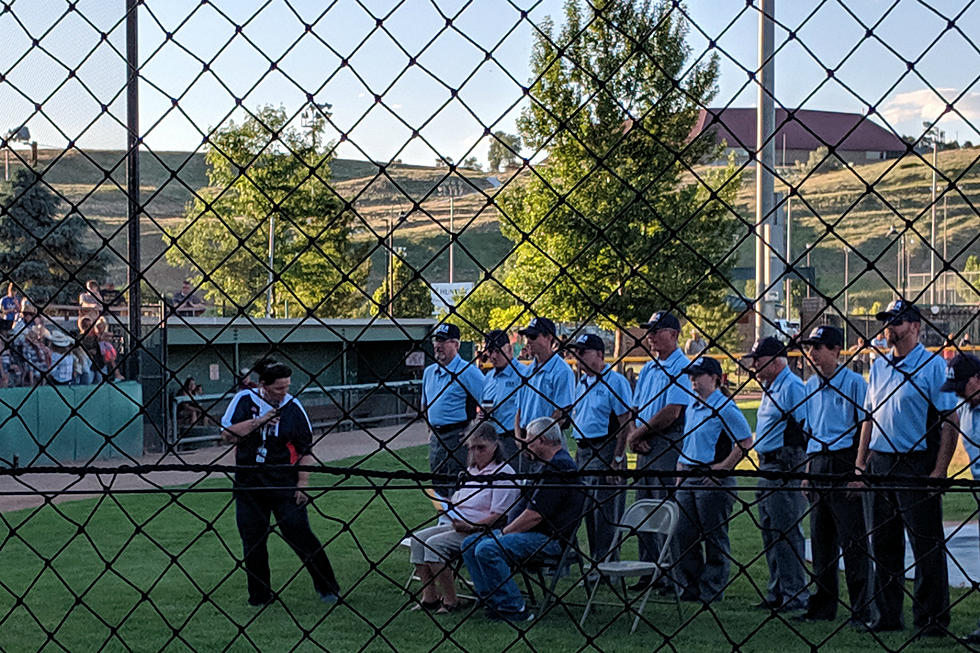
(809,283)
(937,136)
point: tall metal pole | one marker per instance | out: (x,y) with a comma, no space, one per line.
(809,284)
(452,228)
(269,294)
(789,245)
(847,292)
(945,253)
(765,161)
(932,241)
(133,271)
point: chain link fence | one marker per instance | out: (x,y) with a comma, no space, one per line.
(607,325)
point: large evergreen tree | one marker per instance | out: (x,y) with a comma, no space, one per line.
(614,222)
(49,257)
(261,169)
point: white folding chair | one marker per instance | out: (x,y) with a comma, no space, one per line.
(646,516)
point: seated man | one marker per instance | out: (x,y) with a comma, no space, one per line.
(553,510)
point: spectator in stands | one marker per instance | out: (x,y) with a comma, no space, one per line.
(553,509)
(474,508)
(716,437)
(88,341)
(90,301)
(949,348)
(245,381)
(271,433)
(190,412)
(61,365)
(30,333)
(9,371)
(186,302)
(9,304)
(695,344)
(965,342)
(110,354)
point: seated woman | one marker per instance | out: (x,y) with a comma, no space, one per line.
(472,508)
(716,437)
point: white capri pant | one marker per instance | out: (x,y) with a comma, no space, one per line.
(436,544)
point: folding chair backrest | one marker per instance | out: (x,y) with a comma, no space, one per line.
(650,516)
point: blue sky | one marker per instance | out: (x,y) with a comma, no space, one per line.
(489,91)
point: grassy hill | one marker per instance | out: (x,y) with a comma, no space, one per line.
(829,203)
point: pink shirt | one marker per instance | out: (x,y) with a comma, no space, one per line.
(475,502)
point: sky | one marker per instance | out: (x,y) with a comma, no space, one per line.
(912,61)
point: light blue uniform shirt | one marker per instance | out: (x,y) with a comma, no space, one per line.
(445,390)
(598,401)
(660,384)
(782,400)
(834,408)
(549,387)
(970,432)
(899,396)
(705,421)
(502,391)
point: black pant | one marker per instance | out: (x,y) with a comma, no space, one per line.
(920,513)
(665,448)
(252,511)
(837,526)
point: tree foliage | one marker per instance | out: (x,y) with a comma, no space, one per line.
(48,257)
(411,297)
(260,169)
(504,149)
(615,222)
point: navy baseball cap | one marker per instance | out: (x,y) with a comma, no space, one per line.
(662,320)
(588,341)
(961,369)
(825,334)
(446,332)
(900,310)
(768,346)
(704,365)
(495,339)
(537,326)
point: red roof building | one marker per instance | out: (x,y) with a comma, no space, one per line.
(855,137)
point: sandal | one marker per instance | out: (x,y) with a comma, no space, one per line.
(427,606)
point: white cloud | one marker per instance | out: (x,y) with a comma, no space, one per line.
(925,105)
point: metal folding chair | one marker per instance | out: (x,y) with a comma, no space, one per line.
(647,516)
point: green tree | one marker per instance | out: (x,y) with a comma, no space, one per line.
(488,306)
(49,257)
(503,150)
(265,169)
(411,297)
(616,222)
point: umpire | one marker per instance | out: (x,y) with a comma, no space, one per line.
(662,393)
(834,413)
(502,386)
(910,432)
(600,422)
(451,388)
(779,441)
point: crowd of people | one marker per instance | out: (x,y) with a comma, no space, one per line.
(900,424)
(39,350)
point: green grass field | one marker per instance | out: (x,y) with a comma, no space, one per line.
(157,572)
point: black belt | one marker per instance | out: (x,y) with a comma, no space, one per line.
(593,443)
(446,428)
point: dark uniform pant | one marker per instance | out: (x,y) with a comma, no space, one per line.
(705,506)
(666,448)
(447,455)
(837,527)
(252,511)
(604,503)
(920,513)
(781,509)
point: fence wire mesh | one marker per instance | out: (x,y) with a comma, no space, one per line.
(575,386)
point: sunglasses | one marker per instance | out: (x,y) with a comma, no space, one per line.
(530,336)
(896,323)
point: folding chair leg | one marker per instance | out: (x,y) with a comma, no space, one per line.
(643,604)
(588,604)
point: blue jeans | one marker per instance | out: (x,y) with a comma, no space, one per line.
(489,558)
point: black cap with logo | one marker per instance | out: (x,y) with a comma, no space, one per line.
(538,326)
(900,310)
(961,369)
(446,332)
(825,334)
(662,320)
